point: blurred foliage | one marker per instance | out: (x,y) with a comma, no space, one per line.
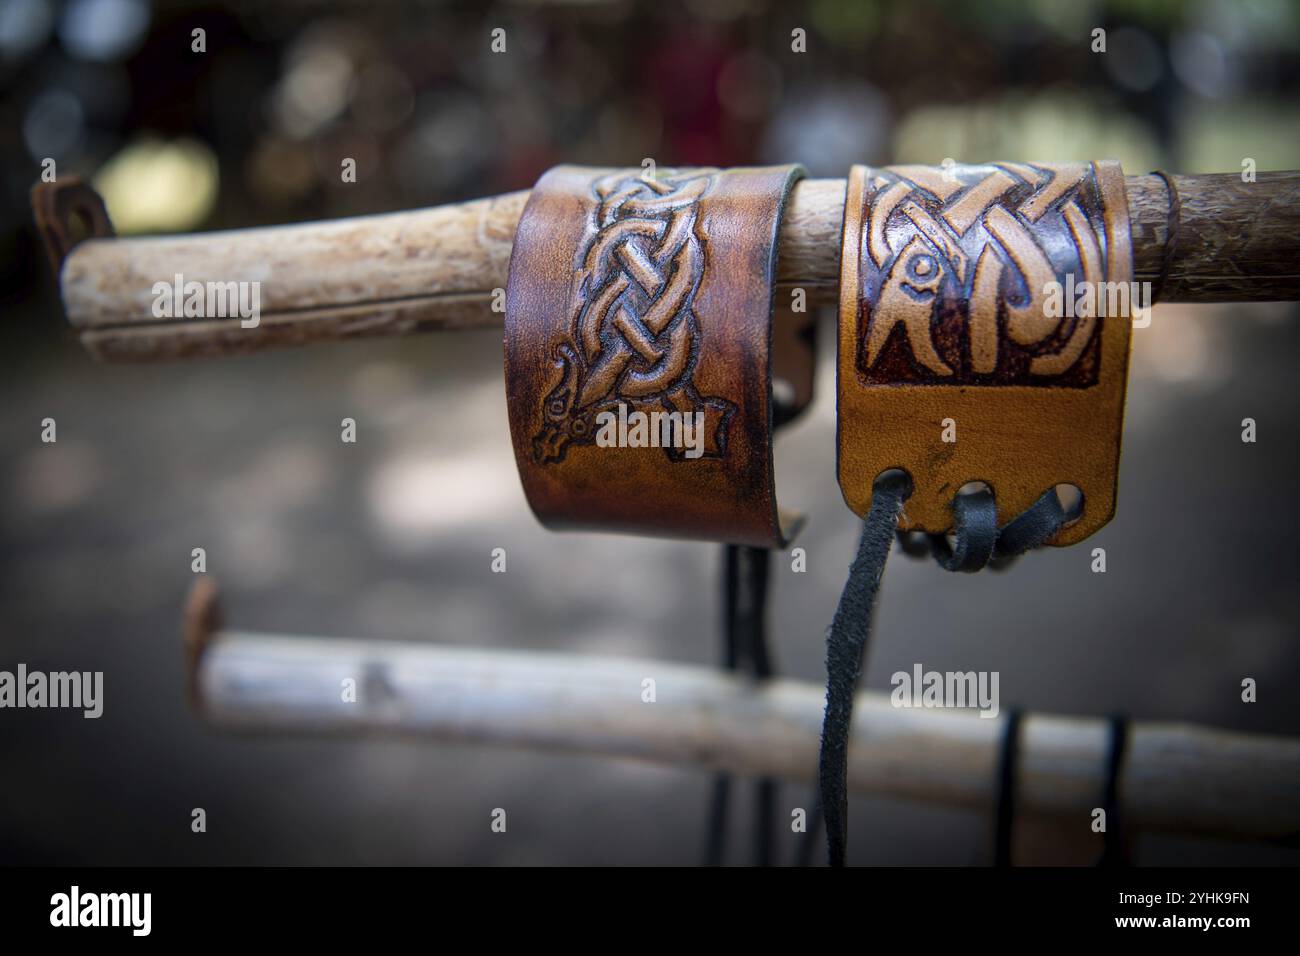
(1025,127)
(264,117)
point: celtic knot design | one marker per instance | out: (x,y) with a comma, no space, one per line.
(632,337)
(956,265)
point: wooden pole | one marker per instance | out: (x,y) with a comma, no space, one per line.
(436,268)
(1176,777)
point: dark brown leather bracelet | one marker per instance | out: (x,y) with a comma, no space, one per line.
(638,351)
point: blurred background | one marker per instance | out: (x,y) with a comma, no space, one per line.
(391,537)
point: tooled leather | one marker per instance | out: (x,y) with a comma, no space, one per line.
(633,296)
(946,330)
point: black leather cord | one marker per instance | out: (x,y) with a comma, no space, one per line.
(978,543)
(757,647)
(745,572)
(976,525)
(1113,851)
(1008,762)
(846,643)
(715,833)
(1030,529)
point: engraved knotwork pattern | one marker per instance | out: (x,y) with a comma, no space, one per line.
(955,264)
(632,336)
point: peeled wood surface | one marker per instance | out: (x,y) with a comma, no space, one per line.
(1176,777)
(1237,242)
(436,268)
(394,274)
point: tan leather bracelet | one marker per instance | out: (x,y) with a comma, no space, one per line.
(968,350)
(638,351)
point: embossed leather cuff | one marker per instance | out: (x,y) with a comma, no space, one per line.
(984,335)
(638,351)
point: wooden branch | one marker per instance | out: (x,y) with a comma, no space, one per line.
(1176,777)
(430,269)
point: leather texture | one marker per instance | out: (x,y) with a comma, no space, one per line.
(948,328)
(638,351)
